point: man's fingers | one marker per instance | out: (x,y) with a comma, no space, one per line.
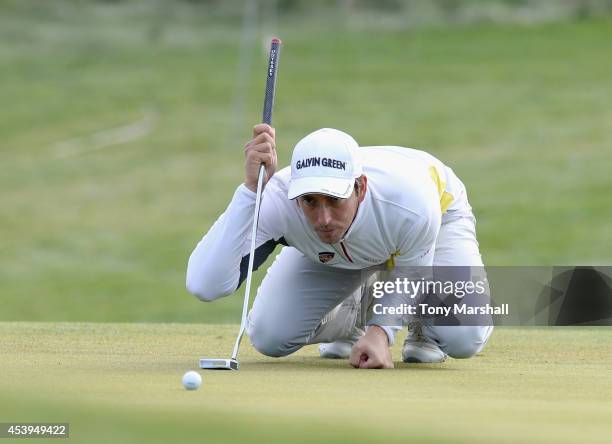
(270,169)
(370,363)
(265,157)
(375,363)
(261,149)
(261,128)
(263,137)
(265,147)
(358,361)
(356,356)
(263,153)
(363,361)
(361,357)
(261,143)
(258,158)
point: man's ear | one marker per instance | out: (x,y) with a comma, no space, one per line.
(362,186)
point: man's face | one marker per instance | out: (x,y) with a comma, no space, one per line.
(330,217)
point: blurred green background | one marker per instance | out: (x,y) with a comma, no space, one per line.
(122,125)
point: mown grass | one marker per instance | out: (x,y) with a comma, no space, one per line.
(520,112)
(122,382)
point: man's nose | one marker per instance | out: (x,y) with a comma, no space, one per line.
(324,215)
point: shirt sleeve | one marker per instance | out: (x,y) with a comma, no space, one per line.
(218,264)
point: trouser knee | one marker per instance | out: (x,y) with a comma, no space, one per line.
(269,341)
(462,341)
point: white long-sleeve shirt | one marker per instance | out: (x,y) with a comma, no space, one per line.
(409,194)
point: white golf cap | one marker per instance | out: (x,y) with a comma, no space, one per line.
(326,161)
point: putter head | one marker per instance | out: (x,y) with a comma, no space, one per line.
(219,364)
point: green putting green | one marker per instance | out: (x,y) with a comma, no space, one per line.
(123,382)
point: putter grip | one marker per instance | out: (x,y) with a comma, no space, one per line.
(271,80)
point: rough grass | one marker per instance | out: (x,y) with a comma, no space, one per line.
(123,382)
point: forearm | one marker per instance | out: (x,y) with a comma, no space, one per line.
(378,332)
(213,269)
(388,330)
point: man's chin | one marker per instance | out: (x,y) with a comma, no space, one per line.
(329,238)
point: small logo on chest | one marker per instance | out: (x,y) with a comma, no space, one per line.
(326,256)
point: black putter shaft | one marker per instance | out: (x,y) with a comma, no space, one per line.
(232,363)
(267,118)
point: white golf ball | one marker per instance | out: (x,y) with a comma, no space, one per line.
(192,380)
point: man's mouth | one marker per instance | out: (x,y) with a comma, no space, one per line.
(326,230)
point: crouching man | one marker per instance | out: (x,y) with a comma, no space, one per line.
(342,212)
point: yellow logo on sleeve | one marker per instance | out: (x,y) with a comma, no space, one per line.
(445,198)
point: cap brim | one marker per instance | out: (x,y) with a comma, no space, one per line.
(332,186)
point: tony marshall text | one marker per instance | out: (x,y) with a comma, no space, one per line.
(426,309)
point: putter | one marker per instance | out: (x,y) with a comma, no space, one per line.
(232,363)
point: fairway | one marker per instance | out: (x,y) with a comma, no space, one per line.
(123,382)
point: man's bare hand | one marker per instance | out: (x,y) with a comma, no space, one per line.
(372,350)
(260,149)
